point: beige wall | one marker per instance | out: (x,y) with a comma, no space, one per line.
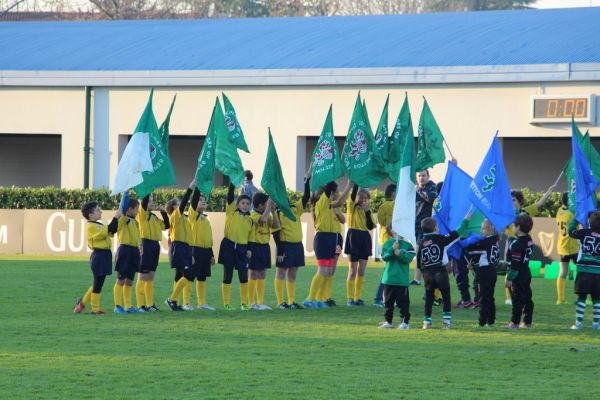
(468,115)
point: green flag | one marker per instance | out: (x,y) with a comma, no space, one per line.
(227,159)
(164,127)
(162,173)
(366,114)
(272,181)
(403,131)
(431,142)
(326,164)
(205,172)
(233,126)
(381,135)
(360,155)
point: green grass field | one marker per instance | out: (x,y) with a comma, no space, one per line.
(48,352)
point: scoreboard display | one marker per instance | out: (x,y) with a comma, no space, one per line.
(560,109)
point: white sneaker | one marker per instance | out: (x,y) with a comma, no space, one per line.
(403,326)
(205,307)
(508,302)
(263,307)
(596,326)
(254,306)
(188,307)
(577,326)
(385,325)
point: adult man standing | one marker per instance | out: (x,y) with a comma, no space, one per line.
(426,194)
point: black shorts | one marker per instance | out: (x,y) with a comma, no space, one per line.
(201,264)
(150,255)
(340,244)
(293,255)
(588,283)
(101,262)
(569,257)
(324,245)
(128,259)
(232,254)
(180,255)
(261,256)
(359,245)
(436,278)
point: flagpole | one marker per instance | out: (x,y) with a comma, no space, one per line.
(558,179)
(448,148)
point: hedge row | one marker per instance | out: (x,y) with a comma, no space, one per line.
(71,199)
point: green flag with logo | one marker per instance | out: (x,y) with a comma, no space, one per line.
(162,173)
(403,131)
(273,183)
(431,142)
(227,159)
(360,155)
(381,135)
(205,171)
(164,127)
(233,126)
(326,163)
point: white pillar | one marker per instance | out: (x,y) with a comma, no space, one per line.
(100,144)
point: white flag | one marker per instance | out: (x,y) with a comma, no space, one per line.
(135,160)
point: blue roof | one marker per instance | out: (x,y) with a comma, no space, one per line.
(422,40)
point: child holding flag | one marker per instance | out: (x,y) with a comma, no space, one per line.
(358,243)
(566,246)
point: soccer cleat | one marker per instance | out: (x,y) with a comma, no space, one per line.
(560,302)
(508,302)
(205,307)
(229,307)
(133,310)
(523,325)
(577,326)
(437,302)
(385,325)
(187,307)
(320,304)
(331,302)
(153,308)
(415,282)
(296,306)
(79,306)
(172,305)
(263,307)
(359,302)
(596,326)
(253,306)
(446,325)
(403,326)
(141,309)
(351,303)
(309,304)
(119,310)
(426,325)
(99,312)
(464,304)
(510,325)
(378,304)
(476,304)
(244,307)
(283,306)
(144,309)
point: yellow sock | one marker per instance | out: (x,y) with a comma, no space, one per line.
(95,297)
(139,292)
(260,291)
(251,289)
(243,293)
(359,283)
(315,286)
(350,285)
(149,292)
(187,293)
(201,292)
(508,294)
(279,290)
(329,287)
(561,284)
(178,288)
(291,291)
(437,293)
(226,291)
(87,296)
(118,294)
(127,297)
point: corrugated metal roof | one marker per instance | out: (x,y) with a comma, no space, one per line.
(425,40)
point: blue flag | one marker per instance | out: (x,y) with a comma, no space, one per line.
(455,251)
(490,191)
(584,184)
(452,205)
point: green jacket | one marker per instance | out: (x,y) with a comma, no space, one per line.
(396,272)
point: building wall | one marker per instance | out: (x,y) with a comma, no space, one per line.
(468,114)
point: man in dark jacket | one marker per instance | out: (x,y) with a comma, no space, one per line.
(426,194)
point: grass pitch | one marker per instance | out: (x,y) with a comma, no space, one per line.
(48,352)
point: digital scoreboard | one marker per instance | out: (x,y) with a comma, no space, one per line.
(560,108)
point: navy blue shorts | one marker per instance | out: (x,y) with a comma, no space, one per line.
(293,255)
(101,262)
(232,254)
(128,259)
(358,245)
(150,255)
(180,255)
(340,244)
(261,256)
(588,283)
(201,258)
(569,257)
(325,244)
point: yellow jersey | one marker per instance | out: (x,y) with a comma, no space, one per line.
(201,229)
(261,232)
(357,218)
(291,231)
(151,226)
(128,231)
(98,236)
(565,244)
(531,210)
(180,229)
(384,217)
(237,225)
(325,219)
